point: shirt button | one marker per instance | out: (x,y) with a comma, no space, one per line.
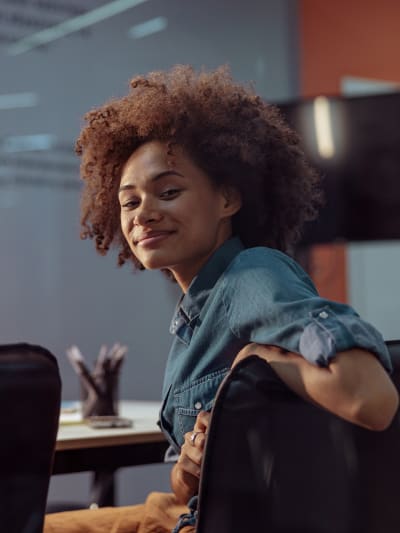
(198,405)
(323,314)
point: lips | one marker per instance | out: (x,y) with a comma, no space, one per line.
(151,237)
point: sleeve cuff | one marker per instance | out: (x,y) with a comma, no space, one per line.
(327,333)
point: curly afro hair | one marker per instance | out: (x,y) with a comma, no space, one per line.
(226,129)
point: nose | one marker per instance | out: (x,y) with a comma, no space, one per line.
(146,213)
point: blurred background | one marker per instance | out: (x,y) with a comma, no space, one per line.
(59,58)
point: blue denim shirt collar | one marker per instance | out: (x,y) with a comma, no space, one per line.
(191,303)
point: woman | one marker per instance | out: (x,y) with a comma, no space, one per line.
(196,176)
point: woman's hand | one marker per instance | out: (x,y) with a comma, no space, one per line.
(186,473)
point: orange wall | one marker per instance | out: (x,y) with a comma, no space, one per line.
(348,37)
(344,38)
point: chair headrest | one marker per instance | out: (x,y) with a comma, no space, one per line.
(394,351)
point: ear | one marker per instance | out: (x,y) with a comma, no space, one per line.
(232,200)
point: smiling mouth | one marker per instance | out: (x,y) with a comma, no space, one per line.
(152,238)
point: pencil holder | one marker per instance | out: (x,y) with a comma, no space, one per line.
(99,388)
(105,401)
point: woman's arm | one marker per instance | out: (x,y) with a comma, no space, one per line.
(354,386)
(186,472)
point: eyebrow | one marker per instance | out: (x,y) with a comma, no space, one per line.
(129,186)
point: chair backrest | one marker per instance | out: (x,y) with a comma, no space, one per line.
(30,392)
(276,463)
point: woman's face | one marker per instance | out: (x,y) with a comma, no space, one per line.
(172,215)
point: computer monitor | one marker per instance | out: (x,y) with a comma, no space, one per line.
(354,142)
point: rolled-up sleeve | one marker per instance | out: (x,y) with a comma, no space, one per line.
(269,299)
(328,333)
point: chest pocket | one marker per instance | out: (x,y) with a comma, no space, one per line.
(197,396)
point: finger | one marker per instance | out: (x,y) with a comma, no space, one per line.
(202,421)
(195,440)
(194,456)
(198,439)
(189,466)
(190,458)
(194,444)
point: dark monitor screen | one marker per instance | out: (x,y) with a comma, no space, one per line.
(355,145)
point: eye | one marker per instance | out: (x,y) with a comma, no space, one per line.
(169,194)
(130,204)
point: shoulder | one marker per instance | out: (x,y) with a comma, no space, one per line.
(268,270)
(262,290)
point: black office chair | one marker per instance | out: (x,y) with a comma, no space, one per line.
(276,463)
(30,392)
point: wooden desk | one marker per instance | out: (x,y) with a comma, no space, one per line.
(80,448)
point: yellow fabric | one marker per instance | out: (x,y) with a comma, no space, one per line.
(159,514)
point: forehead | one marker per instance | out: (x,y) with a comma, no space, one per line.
(155,158)
(148,156)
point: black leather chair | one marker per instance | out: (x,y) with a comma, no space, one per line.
(276,463)
(30,392)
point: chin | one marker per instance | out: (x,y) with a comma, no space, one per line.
(154,264)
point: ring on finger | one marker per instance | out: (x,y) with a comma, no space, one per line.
(193,437)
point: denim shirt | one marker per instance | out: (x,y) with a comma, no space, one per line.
(249,295)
